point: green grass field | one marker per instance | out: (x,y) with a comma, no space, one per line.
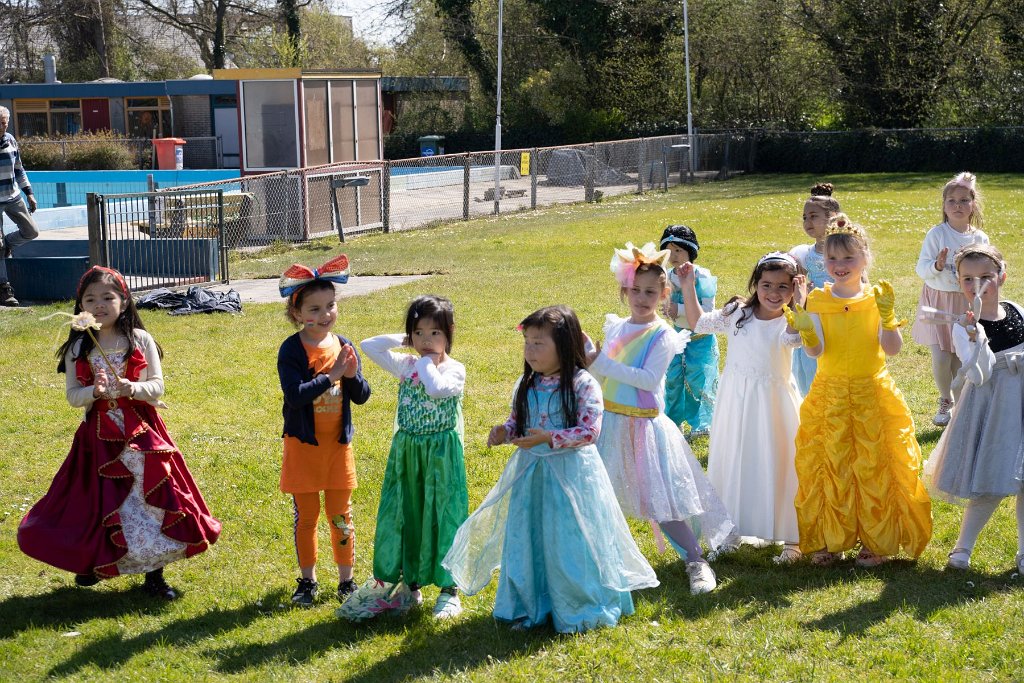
(905,620)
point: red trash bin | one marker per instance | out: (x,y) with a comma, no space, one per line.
(169,153)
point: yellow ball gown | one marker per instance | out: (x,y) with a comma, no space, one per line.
(857,459)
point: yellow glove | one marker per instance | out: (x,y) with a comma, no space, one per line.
(885,300)
(801,321)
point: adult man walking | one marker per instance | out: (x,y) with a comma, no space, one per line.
(13,181)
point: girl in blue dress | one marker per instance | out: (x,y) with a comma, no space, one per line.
(552,523)
(818,209)
(691,381)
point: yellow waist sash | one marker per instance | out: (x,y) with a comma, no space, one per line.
(629,411)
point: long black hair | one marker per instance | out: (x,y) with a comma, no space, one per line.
(564,326)
(751,304)
(126,323)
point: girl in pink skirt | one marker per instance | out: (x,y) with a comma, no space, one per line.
(960,227)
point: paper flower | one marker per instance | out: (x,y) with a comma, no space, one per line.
(85,321)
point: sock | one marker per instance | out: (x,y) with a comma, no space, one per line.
(682,539)
(944,366)
(978,512)
(1020,523)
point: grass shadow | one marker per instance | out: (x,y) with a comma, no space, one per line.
(919,594)
(71,605)
(114,651)
(427,647)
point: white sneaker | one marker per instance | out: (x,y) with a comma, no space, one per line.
(1020,563)
(702,577)
(942,416)
(959,559)
(447,606)
(731,544)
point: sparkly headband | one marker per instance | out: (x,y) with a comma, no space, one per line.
(109,271)
(778,256)
(298,276)
(626,261)
(679,240)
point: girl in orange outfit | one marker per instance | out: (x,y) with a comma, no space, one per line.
(320,377)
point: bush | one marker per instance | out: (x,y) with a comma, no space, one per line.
(101,151)
(994,150)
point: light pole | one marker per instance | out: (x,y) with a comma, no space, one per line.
(689,102)
(497,118)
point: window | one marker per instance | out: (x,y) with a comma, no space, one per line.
(65,117)
(317,145)
(368,118)
(270,124)
(32,124)
(342,121)
(148,117)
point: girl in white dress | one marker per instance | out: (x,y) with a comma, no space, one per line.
(750,457)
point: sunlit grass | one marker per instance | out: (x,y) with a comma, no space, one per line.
(903,620)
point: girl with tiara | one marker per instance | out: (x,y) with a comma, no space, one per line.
(857,460)
(692,378)
(552,522)
(960,227)
(978,459)
(750,458)
(651,467)
(818,209)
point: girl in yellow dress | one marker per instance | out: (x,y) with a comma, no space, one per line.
(857,460)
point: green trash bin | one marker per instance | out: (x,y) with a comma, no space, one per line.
(431,145)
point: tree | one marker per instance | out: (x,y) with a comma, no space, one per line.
(892,58)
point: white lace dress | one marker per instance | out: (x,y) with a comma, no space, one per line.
(753,431)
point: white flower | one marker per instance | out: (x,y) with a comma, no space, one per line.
(84,321)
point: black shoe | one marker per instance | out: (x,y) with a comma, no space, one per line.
(345,589)
(157,587)
(306,593)
(86,580)
(7,295)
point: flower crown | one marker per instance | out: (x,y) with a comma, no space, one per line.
(840,224)
(626,261)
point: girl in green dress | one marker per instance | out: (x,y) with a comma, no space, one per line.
(423,498)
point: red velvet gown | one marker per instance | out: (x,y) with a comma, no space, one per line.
(82,523)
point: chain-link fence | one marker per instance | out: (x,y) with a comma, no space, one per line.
(350,198)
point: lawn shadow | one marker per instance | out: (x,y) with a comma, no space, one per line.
(69,605)
(428,646)
(929,436)
(917,592)
(114,650)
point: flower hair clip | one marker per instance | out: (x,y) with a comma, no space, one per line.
(625,262)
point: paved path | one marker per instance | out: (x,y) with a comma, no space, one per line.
(264,291)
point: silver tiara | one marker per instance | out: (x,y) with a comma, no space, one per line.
(777,256)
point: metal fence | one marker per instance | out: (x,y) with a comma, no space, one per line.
(411,193)
(166,239)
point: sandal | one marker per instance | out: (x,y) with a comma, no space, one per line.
(867,559)
(823,558)
(959,558)
(789,555)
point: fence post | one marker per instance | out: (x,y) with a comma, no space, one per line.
(465,186)
(588,180)
(533,178)
(640,161)
(385,183)
(97,241)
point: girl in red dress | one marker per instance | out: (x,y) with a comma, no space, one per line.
(123,502)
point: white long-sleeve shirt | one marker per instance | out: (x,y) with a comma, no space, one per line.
(439,381)
(940,237)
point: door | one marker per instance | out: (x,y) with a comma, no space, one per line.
(96,114)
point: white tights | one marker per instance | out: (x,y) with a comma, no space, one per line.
(944,367)
(979,511)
